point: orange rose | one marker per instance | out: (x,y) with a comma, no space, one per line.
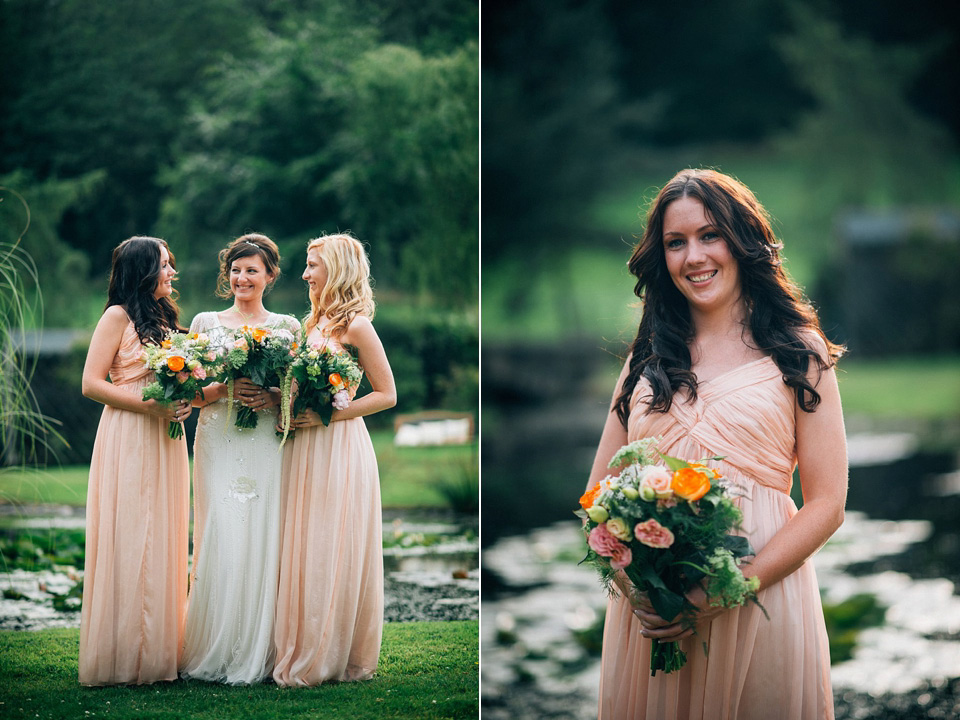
(690,484)
(175,363)
(586,500)
(335,379)
(260,333)
(165,344)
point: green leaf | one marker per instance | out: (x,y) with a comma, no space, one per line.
(668,604)
(737,545)
(325,412)
(674,463)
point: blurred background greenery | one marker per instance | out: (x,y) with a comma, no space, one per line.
(200,121)
(842,117)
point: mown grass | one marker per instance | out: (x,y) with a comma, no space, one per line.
(409,477)
(427,670)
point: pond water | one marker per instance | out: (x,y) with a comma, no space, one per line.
(431,570)
(541,636)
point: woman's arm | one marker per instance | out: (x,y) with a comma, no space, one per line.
(822,458)
(103,348)
(614,435)
(383,392)
(373,359)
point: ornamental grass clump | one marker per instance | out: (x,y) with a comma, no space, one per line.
(668,525)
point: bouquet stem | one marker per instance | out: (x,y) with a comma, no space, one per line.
(666,656)
(246,417)
(175,430)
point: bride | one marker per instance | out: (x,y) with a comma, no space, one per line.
(236,535)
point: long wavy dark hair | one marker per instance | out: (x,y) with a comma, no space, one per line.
(778,315)
(134,274)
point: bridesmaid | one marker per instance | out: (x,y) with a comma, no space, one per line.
(236,492)
(135,572)
(730,361)
(330,605)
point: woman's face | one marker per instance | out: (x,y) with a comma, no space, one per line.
(698,259)
(249,278)
(167,273)
(315,273)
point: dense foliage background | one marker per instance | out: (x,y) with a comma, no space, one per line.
(200,121)
(843,117)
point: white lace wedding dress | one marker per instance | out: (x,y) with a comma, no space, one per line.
(236,539)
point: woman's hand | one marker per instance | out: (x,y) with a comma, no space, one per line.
(308,418)
(679,628)
(176,411)
(248,393)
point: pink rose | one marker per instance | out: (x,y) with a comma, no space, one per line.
(653,534)
(622,556)
(183,376)
(602,542)
(240,343)
(199,373)
(657,479)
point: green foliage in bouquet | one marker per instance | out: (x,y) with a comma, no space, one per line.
(325,378)
(184,364)
(668,525)
(261,354)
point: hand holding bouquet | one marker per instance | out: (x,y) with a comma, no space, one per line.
(261,354)
(184,364)
(325,379)
(667,527)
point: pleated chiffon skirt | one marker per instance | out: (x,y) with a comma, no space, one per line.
(330,603)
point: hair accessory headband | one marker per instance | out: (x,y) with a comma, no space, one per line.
(252,243)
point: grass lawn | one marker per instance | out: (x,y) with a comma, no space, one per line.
(919,388)
(409,477)
(427,670)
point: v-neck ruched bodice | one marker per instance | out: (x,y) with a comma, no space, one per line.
(757,668)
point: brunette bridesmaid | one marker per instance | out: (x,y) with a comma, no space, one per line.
(135,573)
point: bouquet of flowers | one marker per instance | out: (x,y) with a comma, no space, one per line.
(324,380)
(668,527)
(184,364)
(261,354)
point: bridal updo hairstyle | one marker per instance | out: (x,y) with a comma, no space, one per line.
(347,292)
(781,321)
(247,246)
(134,275)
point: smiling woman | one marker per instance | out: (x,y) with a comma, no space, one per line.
(728,364)
(230,616)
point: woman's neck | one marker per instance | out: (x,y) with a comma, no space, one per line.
(251,312)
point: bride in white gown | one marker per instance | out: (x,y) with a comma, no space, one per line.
(236,478)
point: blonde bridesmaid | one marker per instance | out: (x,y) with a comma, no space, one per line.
(135,572)
(330,604)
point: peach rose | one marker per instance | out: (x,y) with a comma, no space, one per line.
(622,556)
(653,534)
(658,479)
(602,542)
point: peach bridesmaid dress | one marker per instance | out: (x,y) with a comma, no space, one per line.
(330,603)
(135,573)
(757,669)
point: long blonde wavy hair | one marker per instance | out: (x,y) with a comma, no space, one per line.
(347,292)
